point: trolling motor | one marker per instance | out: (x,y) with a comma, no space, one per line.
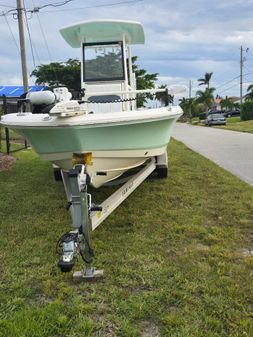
(44,101)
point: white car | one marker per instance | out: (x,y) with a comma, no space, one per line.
(215,119)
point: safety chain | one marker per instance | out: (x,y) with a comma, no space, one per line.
(115,101)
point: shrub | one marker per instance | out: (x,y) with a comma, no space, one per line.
(202,115)
(247,111)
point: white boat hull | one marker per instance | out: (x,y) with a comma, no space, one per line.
(117,141)
(111,163)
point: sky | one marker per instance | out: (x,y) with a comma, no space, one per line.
(184,39)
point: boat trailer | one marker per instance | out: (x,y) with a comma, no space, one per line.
(87,216)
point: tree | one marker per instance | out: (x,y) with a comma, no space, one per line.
(205,97)
(144,81)
(104,65)
(247,111)
(249,95)
(227,103)
(57,74)
(164,97)
(205,80)
(188,106)
(68,74)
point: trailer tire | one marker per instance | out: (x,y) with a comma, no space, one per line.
(162,172)
(57,174)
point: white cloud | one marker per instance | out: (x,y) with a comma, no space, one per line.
(184,39)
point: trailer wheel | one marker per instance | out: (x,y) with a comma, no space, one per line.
(162,172)
(57,174)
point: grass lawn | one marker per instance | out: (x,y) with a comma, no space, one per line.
(177,256)
(234,123)
(17,142)
(12,134)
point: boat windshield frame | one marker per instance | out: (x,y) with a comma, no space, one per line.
(104,79)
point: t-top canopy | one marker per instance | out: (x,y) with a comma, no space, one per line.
(102,31)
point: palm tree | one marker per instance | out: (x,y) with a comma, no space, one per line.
(205,97)
(249,95)
(164,97)
(183,102)
(187,105)
(227,103)
(205,80)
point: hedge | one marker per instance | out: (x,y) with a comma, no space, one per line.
(202,115)
(247,111)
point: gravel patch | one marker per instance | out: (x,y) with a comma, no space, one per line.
(6,162)
(149,329)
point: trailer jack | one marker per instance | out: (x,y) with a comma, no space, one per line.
(87,216)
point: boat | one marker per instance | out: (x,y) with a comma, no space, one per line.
(100,137)
(108,125)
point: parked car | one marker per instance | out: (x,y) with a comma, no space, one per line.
(215,119)
(214,111)
(231,113)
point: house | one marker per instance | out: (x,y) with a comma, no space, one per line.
(216,104)
(235,99)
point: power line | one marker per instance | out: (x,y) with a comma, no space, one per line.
(36,9)
(247,68)
(29,36)
(235,85)
(43,34)
(13,37)
(250,73)
(229,81)
(96,6)
(58,4)
(45,41)
(8,12)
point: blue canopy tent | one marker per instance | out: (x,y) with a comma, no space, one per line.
(18,90)
(11,93)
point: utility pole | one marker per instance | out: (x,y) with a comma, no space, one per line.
(190,95)
(241,70)
(190,88)
(242,60)
(22,44)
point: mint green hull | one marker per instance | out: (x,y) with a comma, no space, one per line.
(145,135)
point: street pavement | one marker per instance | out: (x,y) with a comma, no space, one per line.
(231,150)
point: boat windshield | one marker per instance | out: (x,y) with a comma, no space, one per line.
(103,62)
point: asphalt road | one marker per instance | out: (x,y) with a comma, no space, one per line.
(229,149)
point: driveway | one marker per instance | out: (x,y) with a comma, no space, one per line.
(229,149)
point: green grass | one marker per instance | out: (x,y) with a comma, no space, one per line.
(172,253)
(235,124)
(232,120)
(13,135)
(16,140)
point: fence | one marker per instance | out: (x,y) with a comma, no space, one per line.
(14,142)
